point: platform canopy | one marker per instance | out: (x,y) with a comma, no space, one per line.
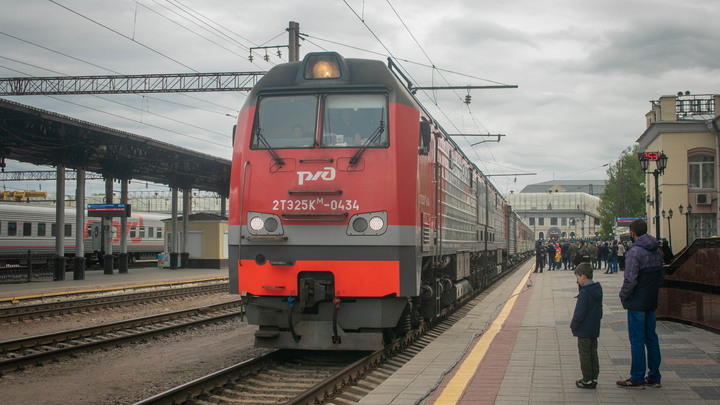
(41,137)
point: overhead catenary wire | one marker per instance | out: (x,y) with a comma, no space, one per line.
(123,35)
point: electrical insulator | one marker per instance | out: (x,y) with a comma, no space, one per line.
(279,54)
(250,58)
(267,58)
(467,99)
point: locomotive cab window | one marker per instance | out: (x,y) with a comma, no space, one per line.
(355,120)
(285,122)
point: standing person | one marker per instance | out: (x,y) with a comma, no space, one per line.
(550,255)
(565,254)
(639,296)
(585,325)
(572,251)
(539,257)
(558,256)
(603,255)
(592,248)
(621,255)
(668,255)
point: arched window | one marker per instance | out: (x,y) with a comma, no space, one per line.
(701,171)
(541,235)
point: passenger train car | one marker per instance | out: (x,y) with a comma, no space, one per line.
(353,215)
(32,227)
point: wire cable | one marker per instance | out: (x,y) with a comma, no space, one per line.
(123,35)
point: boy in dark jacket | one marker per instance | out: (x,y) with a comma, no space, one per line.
(585,324)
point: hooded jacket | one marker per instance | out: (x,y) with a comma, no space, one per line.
(643,275)
(588,312)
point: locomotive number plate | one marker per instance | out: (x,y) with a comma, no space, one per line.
(311,205)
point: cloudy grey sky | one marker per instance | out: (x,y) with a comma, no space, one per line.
(586,70)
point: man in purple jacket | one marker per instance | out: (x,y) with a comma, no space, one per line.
(639,296)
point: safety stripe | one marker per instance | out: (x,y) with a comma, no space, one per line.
(455,388)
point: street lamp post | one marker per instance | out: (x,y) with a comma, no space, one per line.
(687,214)
(669,217)
(661,163)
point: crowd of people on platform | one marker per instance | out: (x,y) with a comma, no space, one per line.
(608,255)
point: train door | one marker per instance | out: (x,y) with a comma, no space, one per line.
(96,235)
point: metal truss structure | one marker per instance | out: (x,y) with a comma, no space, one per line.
(129,84)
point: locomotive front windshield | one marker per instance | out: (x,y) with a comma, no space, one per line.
(290,122)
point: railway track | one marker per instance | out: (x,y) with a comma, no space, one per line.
(278,377)
(43,310)
(17,354)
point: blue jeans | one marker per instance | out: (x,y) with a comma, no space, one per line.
(641,330)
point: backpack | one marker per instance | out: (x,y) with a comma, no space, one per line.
(582,256)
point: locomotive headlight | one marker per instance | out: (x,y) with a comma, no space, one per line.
(322,66)
(360,224)
(376,223)
(256,223)
(271,225)
(368,224)
(263,224)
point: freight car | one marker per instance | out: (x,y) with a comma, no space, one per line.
(353,215)
(31,227)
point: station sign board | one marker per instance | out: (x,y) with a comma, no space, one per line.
(108,210)
(625,221)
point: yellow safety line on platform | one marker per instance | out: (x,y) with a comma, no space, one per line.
(456,387)
(99,290)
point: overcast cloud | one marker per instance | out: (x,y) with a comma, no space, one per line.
(585,70)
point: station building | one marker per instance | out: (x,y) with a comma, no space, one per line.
(560,209)
(686,128)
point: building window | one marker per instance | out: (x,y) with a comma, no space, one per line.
(701,169)
(541,221)
(532,221)
(553,221)
(563,221)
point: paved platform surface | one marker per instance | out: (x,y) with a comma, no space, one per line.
(529,356)
(97,280)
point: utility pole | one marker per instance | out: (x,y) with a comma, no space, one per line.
(294,41)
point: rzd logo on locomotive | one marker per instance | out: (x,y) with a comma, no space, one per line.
(327,175)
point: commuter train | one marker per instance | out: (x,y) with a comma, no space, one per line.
(353,215)
(31,227)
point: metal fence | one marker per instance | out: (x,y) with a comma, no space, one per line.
(27,267)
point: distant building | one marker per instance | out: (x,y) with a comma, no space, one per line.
(687,129)
(560,209)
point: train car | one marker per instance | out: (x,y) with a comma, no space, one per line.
(353,215)
(32,227)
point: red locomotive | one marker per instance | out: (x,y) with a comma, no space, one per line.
(353,215)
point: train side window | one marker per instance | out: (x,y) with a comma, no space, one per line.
(27,229)
(150,232)
(53,230)
(41,229)
(133,232)
(12,229)
(142,231)
(159,233)
(0,228)
(68,230)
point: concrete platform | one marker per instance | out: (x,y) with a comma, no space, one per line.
(526,353)
(97,281)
